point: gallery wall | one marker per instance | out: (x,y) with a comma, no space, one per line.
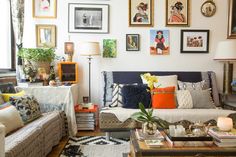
(134,61)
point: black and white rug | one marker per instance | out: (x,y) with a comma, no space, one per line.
(95,146)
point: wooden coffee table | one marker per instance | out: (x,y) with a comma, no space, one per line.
(140,149)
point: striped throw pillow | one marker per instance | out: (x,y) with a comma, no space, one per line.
(116,95)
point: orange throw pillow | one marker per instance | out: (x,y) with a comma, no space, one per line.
(163,98)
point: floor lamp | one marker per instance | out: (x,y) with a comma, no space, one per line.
(89,49)
(226,53)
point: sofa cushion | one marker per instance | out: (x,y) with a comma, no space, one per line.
(135,94)
(192,85)
(27,106)
(10,117)
(163,98)
(184,99)
(202,99)
(6,96)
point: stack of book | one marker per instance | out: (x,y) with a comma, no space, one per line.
(223,138)
(85,121)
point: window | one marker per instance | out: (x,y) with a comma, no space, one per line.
(7,57)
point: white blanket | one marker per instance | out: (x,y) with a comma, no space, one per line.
(173,115)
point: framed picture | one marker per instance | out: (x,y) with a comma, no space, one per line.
(132,42)
(109,48)
(44,8)
(141,13)
(194,41)
(232,20)
(208,8)
(177,12)
(159,42)
(88,18)
(45,35)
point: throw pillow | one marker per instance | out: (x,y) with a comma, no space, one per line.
(192,85)
(10,118)
(202,99)
(6,96)
(135,94)
(184,99)
(163,98)
(164,81)
(27,106)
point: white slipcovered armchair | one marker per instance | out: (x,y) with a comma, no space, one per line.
(2,140)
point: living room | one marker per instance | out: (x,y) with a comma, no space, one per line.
(104,42)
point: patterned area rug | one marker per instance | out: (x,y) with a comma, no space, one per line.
(95,146)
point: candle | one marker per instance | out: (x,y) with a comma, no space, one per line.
(225,123)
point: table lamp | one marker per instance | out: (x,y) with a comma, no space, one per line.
(89,49)
(69,50)
(226,53)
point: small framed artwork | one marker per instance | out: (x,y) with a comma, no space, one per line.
(44,8)
(109,48)
(232,20)
(159,42)
(141,13)
(88,18)
(194,41)
(208,8)
(46,36)
(132,42)
(177,12)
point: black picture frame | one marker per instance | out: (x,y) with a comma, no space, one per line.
(232,20)
(135,39)
(194,41)
(88,18)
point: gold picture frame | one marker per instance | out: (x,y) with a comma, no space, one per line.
(180,18)
(44,8)
(232,20)
(136,19)
(46,36)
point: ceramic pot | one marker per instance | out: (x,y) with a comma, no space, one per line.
(149,128)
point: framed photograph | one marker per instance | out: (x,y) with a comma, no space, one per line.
(141,13)
(177,12)
(208,8)
(132,42)
(45,35)
(194,41)
(232,20)
(159,42)
(44,8)
(109,48)
(88,18)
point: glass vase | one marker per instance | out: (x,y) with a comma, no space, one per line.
(149,128)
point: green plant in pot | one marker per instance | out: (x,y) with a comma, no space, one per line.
(39,57)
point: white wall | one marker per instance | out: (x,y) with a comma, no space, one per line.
(135,60)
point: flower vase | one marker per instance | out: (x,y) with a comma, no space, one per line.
(149,128)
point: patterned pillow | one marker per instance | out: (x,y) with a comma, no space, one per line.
(27,106)
(192,85)
(184,99)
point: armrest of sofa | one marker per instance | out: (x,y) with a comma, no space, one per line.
(2,140)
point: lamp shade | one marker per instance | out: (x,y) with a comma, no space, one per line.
(226,51)
(69,47)
(89,48)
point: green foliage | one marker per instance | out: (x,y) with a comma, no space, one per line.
(37,54)
(109,48)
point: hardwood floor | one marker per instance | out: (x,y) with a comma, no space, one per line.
(56,151)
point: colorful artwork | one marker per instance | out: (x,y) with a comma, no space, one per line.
(109,48)
(140,12)
(177,12)
(232,20)
(44,8)
(159,42)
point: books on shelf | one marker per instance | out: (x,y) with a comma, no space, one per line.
(223,138)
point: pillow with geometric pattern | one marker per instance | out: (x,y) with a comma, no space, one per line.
(27,106)
(192,85)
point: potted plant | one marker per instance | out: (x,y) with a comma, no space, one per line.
(39,57)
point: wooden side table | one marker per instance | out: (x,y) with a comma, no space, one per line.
(86,119)
(230,102)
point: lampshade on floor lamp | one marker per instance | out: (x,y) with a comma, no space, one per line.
(89,49)
(226,53)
